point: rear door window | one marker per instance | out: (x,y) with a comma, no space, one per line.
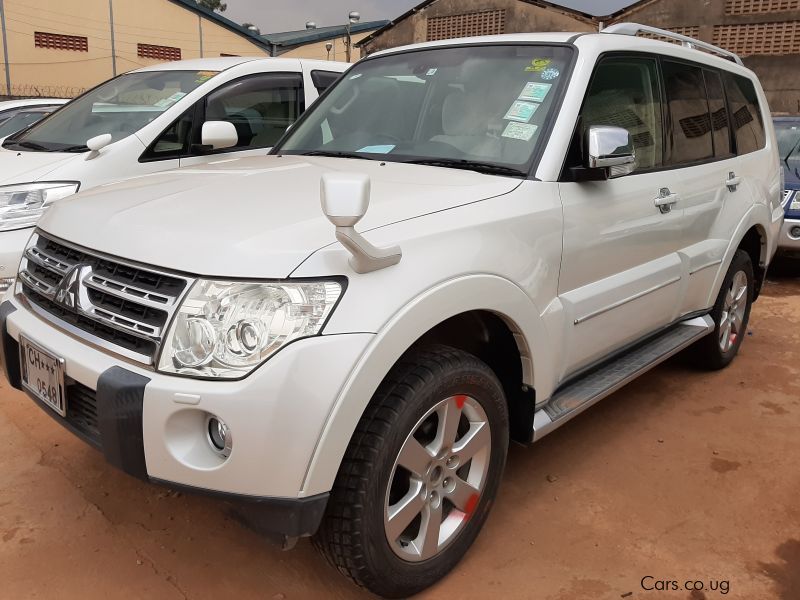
(689,135)
(719,114)
(746,113)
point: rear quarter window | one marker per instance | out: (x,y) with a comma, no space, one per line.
(746,115)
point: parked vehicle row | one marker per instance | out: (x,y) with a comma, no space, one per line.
(462,243)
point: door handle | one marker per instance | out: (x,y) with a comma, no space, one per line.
(666,200)
(733,181)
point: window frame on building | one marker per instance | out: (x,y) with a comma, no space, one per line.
(60,41)
(158,52)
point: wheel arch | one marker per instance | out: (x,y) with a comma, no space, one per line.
(752,236)
(493,305)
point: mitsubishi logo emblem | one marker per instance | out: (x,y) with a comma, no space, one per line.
(70,293)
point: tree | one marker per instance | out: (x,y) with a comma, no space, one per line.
(213,4)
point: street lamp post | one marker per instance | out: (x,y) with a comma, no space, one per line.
(353,18)
(329,47)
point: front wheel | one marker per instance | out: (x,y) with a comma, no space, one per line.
(420,474)
(731,314)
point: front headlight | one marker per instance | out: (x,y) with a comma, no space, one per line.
(226,329)
(21,205)
(795,204)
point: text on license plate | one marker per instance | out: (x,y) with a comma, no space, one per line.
(43,375)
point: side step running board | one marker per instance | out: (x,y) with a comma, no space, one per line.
(579,395)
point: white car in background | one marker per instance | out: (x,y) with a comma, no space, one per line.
(172,115)
(10,108)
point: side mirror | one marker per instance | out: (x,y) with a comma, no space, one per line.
(610,148)
(345,200)
(219,134)
(96,144)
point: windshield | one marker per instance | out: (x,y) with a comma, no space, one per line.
(20,121)
(466,106)
(119,107)
(788,135)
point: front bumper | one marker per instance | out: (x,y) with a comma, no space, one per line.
(153,426)
(787,241)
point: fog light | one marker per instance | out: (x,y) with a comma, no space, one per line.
(219,435)
(795,232)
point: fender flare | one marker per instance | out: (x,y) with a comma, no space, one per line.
(417,317)
(751,219)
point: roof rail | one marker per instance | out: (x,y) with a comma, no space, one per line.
(686,41)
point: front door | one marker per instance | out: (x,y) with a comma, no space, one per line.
(261,107)
(621,273)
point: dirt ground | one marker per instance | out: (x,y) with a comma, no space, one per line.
(681,476)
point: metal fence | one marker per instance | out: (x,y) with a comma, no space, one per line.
(40,91)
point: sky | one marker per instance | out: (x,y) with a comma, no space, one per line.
(287,15)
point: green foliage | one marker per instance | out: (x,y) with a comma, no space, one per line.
(213,4)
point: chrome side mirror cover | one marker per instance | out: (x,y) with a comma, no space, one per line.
(609,147)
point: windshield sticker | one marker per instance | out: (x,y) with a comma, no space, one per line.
(520,131)
(550,74)
(203,76)
(385,149)
(538,65)
(431,72)
(521,111)
(165,102)
(535,91)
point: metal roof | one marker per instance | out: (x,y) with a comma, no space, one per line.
(251,36)
(307,36)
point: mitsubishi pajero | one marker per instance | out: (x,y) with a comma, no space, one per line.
(462,243)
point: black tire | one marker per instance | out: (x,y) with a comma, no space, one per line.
(708,352)
(352,535)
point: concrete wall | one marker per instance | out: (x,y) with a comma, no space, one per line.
(520,17)
(338,52)
(779,75)
(40,71)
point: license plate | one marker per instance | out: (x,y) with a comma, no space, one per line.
(43,375)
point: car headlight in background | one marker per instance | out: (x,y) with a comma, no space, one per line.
(226,329)
(23,204)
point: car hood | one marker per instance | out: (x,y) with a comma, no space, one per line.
(25,167)
(256,217)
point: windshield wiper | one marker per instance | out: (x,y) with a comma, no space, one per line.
(77,148)
(336,154)
(29,146)
(469,165)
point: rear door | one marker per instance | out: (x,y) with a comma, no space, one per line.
(731,182)
(699,148)
(621,271)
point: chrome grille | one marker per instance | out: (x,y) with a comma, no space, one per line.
(787,195)
(115,304)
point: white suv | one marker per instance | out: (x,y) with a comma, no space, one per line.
(542,218)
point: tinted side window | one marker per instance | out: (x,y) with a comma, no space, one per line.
(689,136)
(719,114)
(174,141)
(260,107)
(746,115)
(324,79)
(624,93)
